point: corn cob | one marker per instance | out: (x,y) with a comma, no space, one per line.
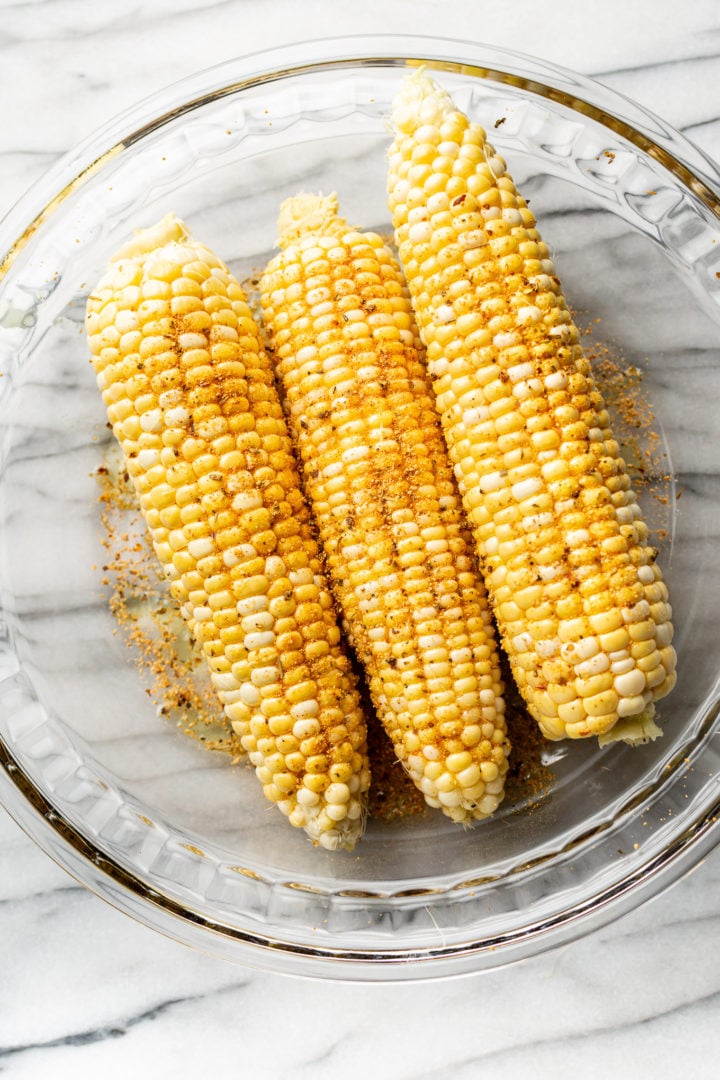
(191,398)
(581,606)
(381,487)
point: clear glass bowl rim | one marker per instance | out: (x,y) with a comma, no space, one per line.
(30,807)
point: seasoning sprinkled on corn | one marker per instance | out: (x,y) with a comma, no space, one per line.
(191,398)
(580,603)
(381,487)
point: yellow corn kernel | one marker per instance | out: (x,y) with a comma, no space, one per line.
(558,530)
(380,482)
(223,502)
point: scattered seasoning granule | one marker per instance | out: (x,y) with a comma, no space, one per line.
(393,796)
(148,620)
(635,428)
(528,779)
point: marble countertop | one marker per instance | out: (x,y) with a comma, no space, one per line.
(85,991)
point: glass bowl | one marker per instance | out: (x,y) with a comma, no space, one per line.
(180,838)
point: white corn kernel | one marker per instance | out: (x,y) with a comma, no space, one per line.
(152,420)
(631,706)
(259,640)
(596,665)
(265,676)
(200,549)
(249,694)
(630,683)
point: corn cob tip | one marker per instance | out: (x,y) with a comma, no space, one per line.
(146,241)
(633,730)
(420,101)
(306,213)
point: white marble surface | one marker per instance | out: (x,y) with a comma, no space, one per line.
(84,991)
